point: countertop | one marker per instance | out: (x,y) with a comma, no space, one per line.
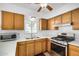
(31,39)
(8,48)
(75,42)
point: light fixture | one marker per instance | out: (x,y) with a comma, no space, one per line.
(32,18)
(43,5)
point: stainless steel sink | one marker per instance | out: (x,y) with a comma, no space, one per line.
(33,38)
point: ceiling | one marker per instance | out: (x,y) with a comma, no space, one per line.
(45,13)
(35,6)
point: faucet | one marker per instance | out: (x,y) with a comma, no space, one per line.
(74,35)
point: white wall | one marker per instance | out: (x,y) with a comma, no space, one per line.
(66,29)
(27,12)
(9,48)
(16,9)
(65,8)
(5,48)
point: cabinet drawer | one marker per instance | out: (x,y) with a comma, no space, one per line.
(31,41)
(38,40)
(75,48)
(21,43)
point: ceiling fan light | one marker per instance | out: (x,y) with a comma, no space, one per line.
(43,5)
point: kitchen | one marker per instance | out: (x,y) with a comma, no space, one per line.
(18,36)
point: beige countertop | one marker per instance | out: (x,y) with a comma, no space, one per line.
(28,39)
(8,48)
(76,43)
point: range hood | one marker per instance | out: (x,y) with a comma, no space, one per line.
(61,25)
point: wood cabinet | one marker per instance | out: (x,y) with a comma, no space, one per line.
(48,45)
(43,24)
(73,50)
(19,22)
(51,24)
(43,45)
(7,20)
(20,51)
(32,47)
(57,19)
(71,17)
(38,46)
(75,19)
(12,21)
(29,48)
(66,18)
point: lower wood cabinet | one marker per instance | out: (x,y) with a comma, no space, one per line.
(44,45)
(48,44)
(20,49)
(73,50)
(32,47)
(38,46)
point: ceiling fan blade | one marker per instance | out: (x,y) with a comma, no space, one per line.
(39,9)
(49,8)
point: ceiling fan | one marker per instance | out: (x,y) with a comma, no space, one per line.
(44,5)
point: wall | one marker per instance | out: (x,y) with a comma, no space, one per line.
(6,48)
(66,29)
(9,48)
(16,9)
(60,10)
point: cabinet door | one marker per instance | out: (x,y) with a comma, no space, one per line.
(73,50)
(21,49)
(48,45)
(73,53)
(30,49)
(7,20)
(51,24)
(43,24)
(58,19)
(66,18)
(19,22)
(75,19)
(44,45)
(38,47)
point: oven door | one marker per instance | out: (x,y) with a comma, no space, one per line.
(58,48)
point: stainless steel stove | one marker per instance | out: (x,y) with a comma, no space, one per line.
(60,43)
(60,47)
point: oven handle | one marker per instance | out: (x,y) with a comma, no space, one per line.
(59,44)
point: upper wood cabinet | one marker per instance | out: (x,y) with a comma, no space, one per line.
(12,21)
(43,24)
(57,19)
(66,17)
(19,21)
(75,19)
(51,24)
(71,17)
(7,20)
